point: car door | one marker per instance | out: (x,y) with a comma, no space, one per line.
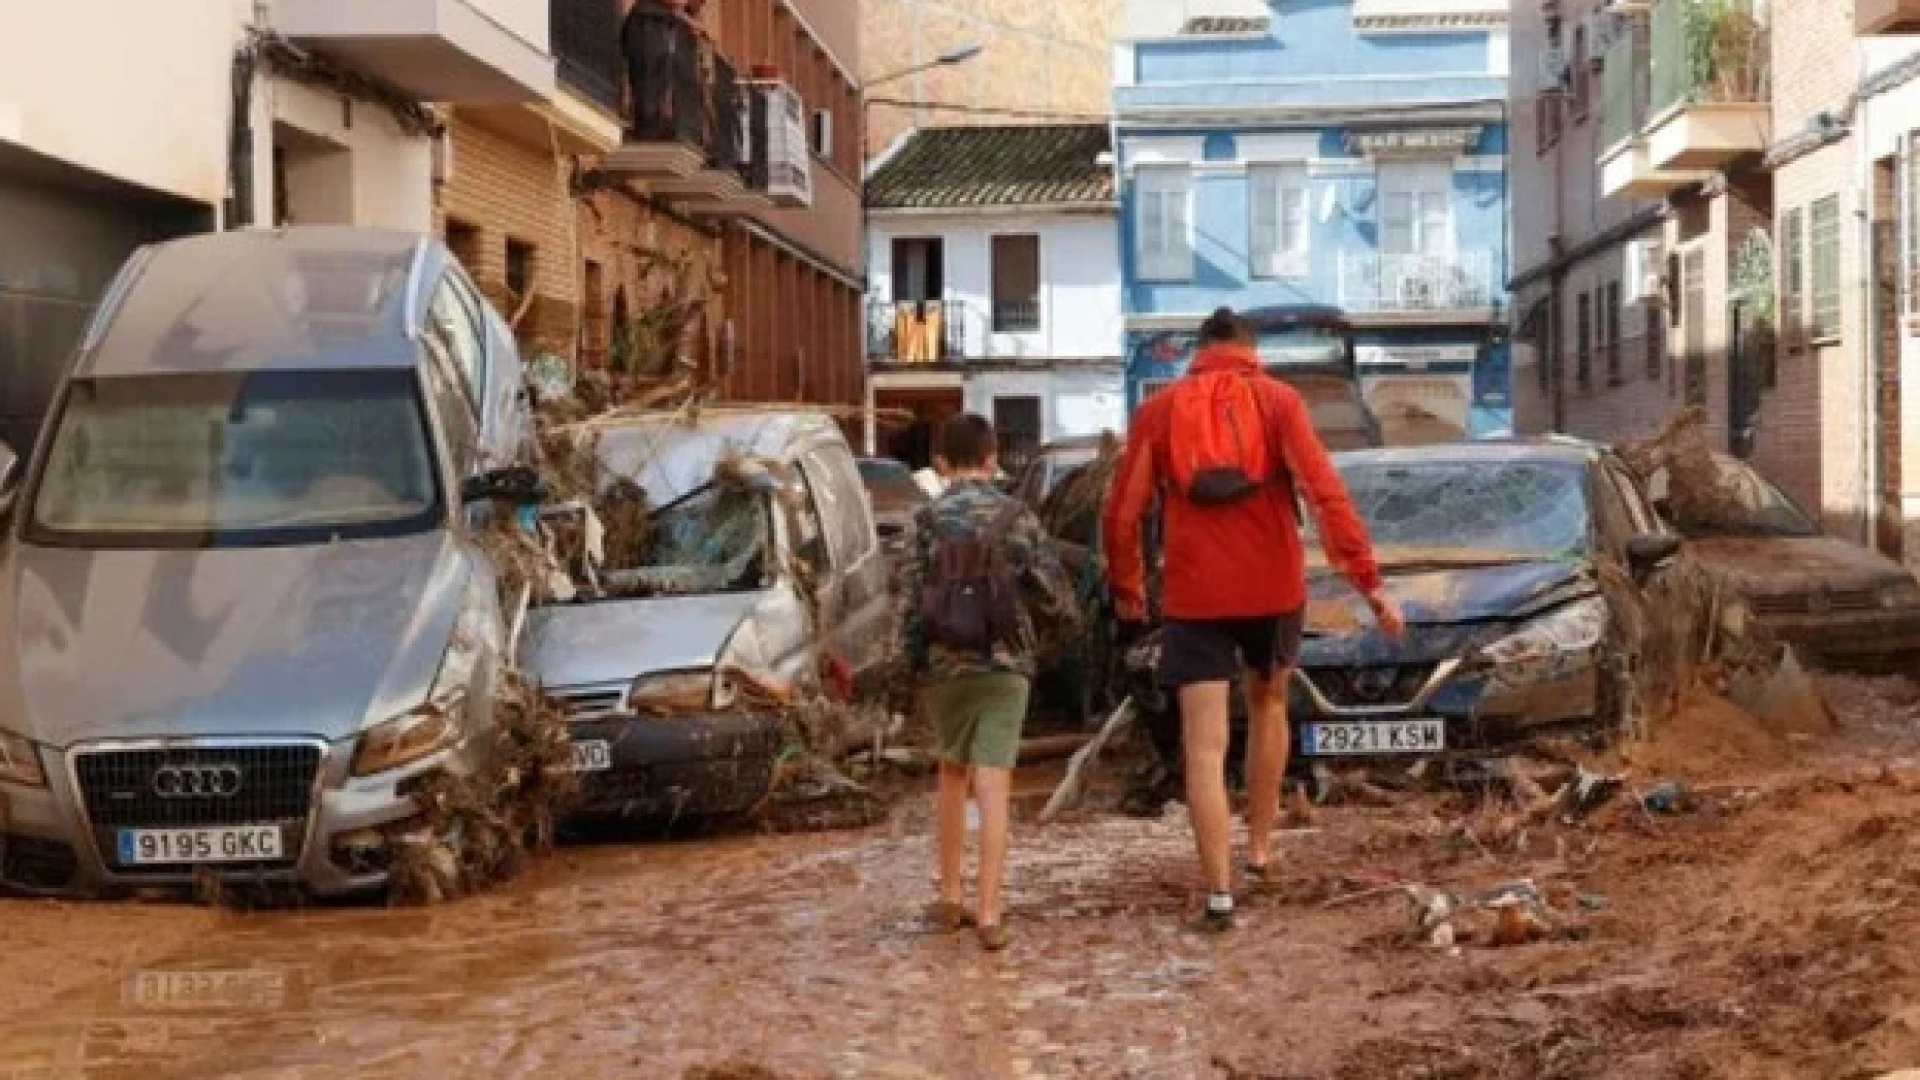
(859,594)
(1651,626)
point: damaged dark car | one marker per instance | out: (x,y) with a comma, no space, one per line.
(1496,552)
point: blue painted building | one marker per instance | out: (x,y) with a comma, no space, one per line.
(1342,152)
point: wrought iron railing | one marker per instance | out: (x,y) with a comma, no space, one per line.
(1392,282)
(586,46)
(917,332)
(663,55)
(1016,316)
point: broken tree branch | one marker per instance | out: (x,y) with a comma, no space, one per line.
(1068,792)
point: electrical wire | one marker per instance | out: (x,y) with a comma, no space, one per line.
(986,110)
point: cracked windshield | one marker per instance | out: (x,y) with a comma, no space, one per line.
(740,540)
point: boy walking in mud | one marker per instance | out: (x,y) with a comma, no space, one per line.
(984,574)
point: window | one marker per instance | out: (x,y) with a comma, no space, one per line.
(822,133)
(919,270)
(1546,121)
(464,241)
(1825,243)
(1163,232)
(1693,316)
(454,328)
(519,268)
(1583,344)
(1610,333)
(1416,209)
(1281,222)
(808,536)
(1656,341)
(1016,426)
(1581,78)
(1912,209)
(1793,274)
(1016,284)
(835,480)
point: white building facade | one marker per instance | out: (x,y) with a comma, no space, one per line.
(994,287)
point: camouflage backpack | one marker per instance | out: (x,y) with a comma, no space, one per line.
(970,601)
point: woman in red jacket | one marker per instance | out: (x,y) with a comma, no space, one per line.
(1234,586)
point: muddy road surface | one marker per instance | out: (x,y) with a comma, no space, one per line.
(1761,930)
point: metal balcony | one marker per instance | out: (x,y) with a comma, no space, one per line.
(916,332)
(459,51)
(1626,167)
(1413,284)
(1710,84)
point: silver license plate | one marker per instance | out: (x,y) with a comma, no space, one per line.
(593,755)
(1376,737)
(194,847)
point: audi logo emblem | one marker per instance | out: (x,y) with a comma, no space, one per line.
(196,781)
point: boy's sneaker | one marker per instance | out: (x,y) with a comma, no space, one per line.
(1218,916)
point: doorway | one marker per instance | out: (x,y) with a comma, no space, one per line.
(1890,524)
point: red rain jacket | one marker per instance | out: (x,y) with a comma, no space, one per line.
(1241,560)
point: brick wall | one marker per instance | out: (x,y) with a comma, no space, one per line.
(503,191)
(1051,56)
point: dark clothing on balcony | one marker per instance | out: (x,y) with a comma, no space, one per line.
(663,69)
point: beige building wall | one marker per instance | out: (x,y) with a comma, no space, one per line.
(1046,56)
(135,91)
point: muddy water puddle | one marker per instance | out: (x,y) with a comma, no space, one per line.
(804,954)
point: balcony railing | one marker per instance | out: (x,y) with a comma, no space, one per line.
(921,332)
(1708,51)
(586,46)
(663,54)
(1016,316)
(1414,283)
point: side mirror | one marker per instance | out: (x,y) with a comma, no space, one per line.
(1645,554)
(518,485)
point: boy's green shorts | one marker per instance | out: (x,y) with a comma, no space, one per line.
(977,718)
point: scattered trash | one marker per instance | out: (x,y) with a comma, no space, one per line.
(1587,792)
(1508,914)
(1668,797)
(1591,901)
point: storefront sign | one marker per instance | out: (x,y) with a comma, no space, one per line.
(1417,357)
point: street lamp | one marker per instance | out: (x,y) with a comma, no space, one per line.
(950,58)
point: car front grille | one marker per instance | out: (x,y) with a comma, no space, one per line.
(1833,601)
(591,703)
(140,789)
(1370,687)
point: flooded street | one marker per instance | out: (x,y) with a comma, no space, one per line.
(1757,934)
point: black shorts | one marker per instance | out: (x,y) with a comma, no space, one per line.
(1214,650)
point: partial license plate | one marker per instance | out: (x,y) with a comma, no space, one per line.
(235,844)
(1377,737)
(238,988)
(592,756)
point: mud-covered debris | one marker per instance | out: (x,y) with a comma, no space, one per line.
(1587,792)
(1668,797)
(475,830)
(1507,914)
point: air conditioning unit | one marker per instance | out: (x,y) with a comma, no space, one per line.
(1640,276)
(1604,30)
(783,162)
(1553,73)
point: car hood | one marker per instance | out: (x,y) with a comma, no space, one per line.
(609,641)
(1446,609)
(313,640)
(1781,566)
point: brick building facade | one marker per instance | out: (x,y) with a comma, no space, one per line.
(1048,57)
(579,225)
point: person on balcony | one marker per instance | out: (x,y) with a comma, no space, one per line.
(661,43)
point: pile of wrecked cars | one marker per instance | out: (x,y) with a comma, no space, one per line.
(253,611)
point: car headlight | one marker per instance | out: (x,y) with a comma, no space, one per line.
(1898,594)
(20,762)
(1553,644)
(437,723)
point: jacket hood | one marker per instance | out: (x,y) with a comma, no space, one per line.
(569,646)
(1225,357)
(314,640)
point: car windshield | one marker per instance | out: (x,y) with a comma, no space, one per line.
(712,540)
(1469,512)
(237,460)
(1743,503)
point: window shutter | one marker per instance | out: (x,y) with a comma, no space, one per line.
(1295,218)
(1264,189)
(1179,239)
(1396,223)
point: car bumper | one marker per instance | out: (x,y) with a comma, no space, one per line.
(1478,712)
(1863,638)
(704,765)
(50,844)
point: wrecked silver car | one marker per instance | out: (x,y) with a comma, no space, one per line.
(242,613)
(758,584)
